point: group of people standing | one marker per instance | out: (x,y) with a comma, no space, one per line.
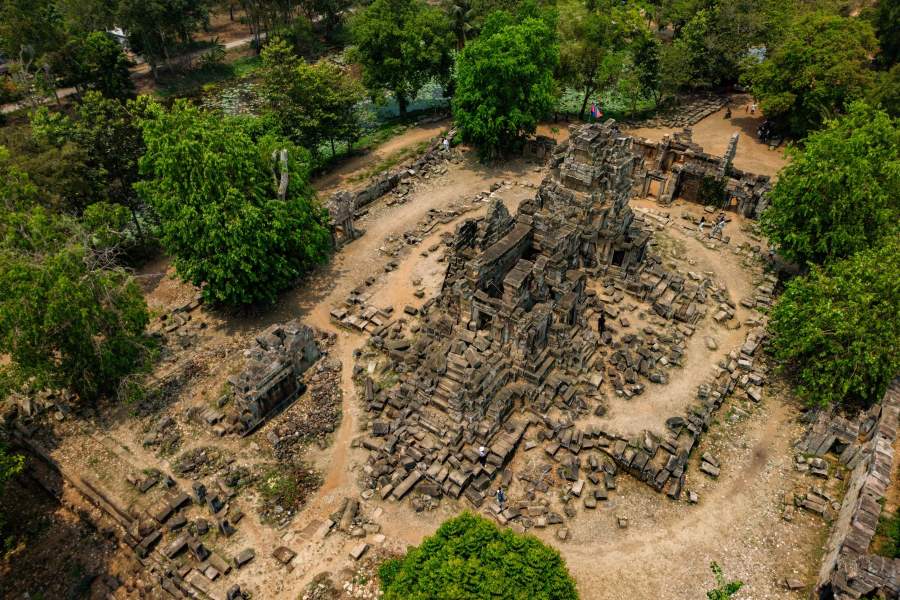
(717,228)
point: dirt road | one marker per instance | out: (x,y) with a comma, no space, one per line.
(337,178)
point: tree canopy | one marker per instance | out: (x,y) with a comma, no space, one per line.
(67,317)
(839,193)
(816,71)
(104,67)
(471,558)
(312,103)
(214,187)
(836,331)
(401,45)
(505,82)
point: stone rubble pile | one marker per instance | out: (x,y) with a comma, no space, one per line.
(689,111)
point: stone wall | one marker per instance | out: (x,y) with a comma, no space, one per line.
(386,182)
(849,570)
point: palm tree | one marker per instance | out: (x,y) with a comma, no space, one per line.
(461,14)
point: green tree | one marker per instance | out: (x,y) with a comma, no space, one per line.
(674,69)
(462,17)
(886,91)
(108,132)
(648,66)
(156,27)
(591,57)
(401,45)
(66,317)
(505,83)
(839,193)
(30,28)
(815,73)
(471,558)
(213,186)
(104,67)
(61,172)
(886,18)
(724,589)
(313,103)
(836,331)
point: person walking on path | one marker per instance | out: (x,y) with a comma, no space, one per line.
(482,455)
(601,323)
(701,225)
(501,497)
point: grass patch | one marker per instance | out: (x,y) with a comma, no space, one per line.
(887,536)
(286,486)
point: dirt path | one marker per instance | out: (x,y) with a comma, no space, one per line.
(650,410)
(412,137)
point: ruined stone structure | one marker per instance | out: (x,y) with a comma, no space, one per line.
(513,341)
(848,569)
(676,168)
(341,209)
(271,377)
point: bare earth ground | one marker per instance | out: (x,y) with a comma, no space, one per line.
(666,549)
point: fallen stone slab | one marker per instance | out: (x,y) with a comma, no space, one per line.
(357,551)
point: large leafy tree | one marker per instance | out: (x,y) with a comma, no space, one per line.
(816,71)
(313,103)
(67,317)
(836,331)
(839,193)
(505,82)
(104,67)
(214,188)
(401,45)
(470,558)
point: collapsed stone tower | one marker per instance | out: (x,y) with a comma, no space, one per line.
(510,323)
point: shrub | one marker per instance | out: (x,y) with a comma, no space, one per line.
(471,558)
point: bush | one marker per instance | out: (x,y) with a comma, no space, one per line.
(471,558)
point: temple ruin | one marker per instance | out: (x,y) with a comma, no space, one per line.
(676,167)
(271,378)
(514,340)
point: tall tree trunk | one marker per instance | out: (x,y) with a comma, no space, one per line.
(587,94)
(137,224)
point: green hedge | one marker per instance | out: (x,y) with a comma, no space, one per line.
(470,558)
